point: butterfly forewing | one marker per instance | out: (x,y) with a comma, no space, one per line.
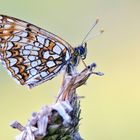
(30,54)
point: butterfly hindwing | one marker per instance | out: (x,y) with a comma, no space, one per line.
(30,54)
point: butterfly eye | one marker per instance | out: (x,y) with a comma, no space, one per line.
(85,51)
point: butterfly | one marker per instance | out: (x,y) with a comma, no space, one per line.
(33,55)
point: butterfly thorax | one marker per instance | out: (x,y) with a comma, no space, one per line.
(79,52)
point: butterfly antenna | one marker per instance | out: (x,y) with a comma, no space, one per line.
(94,24)
(86,36)
(97,34)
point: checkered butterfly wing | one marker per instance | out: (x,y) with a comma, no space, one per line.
(30,54)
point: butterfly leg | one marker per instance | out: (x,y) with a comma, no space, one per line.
(71,82)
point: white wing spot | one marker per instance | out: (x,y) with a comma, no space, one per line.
(43,74)
(47,43)
(26,52)
(34,63)
(28,47)
(33,71)
(16,70)
(67,56)
(31,57)
(15,38)
(60,45)
(8,54)
(50,64)
(36,44)
(9,45)
(41,39)
(12,61)
(24,34)
(46,55)
(57,49)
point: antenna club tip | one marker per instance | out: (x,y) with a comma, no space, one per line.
(102,30)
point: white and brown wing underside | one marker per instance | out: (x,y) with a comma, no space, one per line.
(30,54)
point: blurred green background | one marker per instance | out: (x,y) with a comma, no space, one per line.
(111,109)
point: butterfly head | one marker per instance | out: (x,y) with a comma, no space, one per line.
(82,50)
